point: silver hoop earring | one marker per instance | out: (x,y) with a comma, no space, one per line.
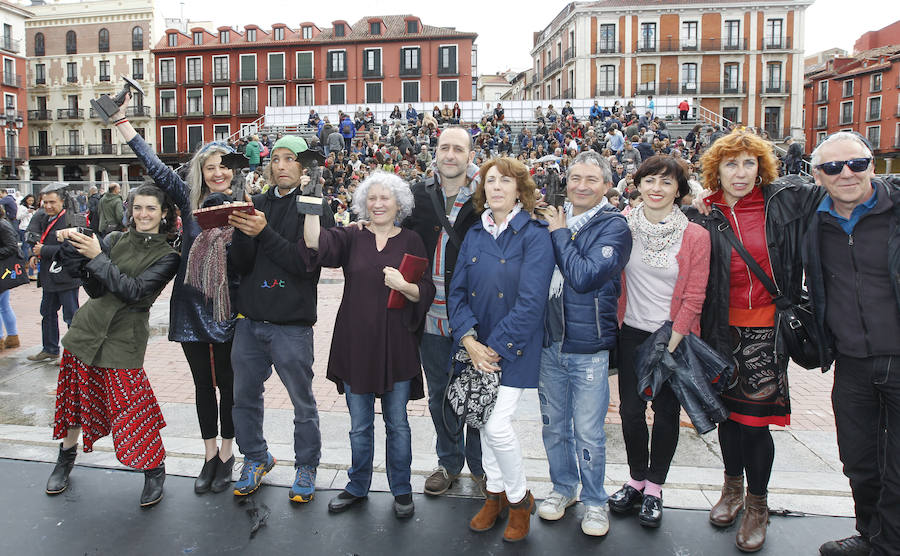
(487,206)
(758,180)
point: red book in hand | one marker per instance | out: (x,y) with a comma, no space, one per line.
(412,268)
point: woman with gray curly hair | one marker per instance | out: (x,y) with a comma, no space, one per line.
(384,361)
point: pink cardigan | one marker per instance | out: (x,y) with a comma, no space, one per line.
(690,286)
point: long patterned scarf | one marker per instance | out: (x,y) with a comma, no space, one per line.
(206,269)
(657,238)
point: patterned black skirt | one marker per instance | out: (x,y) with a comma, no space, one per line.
(758,393)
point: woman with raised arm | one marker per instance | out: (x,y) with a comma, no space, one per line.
(205,339)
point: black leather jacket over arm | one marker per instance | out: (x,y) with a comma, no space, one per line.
(103,276)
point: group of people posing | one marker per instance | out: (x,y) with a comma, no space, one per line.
(541,294)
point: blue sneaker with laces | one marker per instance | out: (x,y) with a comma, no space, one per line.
(304,487)
(252,474)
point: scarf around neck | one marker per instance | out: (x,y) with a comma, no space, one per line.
(656,239)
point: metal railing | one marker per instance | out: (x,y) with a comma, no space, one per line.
(72,79)
(102,148)
(448,70)
(646,88)
(19,153)
(404,72)
(608,90)
(69,114)
(69,150)
(10,44)
(138,111)
(335,74)
(11,79)
(40,150)
(569,54)
(371,73)
(775,87)
(777,43)
(609,47)
(44,115)
(166,80)
(221,78)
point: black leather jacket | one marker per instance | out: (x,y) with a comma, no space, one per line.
(696,373)
(790,202)
(812,261)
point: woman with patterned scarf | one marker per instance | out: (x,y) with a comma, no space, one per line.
(665,280)
(200,313)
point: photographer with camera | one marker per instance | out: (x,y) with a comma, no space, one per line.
(59,289)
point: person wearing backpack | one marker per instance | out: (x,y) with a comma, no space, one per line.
(348,131)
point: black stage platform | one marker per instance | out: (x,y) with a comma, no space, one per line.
(99,514)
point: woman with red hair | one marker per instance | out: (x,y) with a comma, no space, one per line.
(738,317)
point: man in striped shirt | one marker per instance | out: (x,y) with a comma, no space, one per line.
(442,202)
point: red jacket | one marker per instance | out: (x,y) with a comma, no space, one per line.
(690,286)
(748,219)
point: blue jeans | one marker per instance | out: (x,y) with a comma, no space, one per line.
(257,346)
(50,305)
(453,447)
(7,316)
(574,393)
(362,439)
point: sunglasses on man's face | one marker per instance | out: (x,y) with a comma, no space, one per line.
(835,167)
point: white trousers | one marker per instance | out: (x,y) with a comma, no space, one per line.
(501,455)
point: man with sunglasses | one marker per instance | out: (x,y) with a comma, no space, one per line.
(852,259)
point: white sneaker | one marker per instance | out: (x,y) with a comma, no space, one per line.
(595,522)
(554,507)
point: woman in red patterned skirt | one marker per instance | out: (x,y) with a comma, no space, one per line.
(102,386)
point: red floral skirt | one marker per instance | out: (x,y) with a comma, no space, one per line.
(101,401)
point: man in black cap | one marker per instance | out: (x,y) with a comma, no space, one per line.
(59,288)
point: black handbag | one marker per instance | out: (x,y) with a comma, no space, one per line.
(795,323)
(13,271)
(472,394)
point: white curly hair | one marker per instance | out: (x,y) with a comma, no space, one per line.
(393,183)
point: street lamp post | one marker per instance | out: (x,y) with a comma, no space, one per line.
(13,123)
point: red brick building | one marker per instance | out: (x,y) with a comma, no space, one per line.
(881,37)
(211,85)
(857,93)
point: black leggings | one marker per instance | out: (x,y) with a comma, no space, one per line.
(209,412)
(750,449)
(650,463)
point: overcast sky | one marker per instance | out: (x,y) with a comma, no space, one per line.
(505,29)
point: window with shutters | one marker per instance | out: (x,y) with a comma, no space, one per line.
(276,66)
(172,40)
(447,60)
(104,70)
(167,140)
(71,43)
(195,102)
(248,67)
(305,96)
(251,35)
(339,31)
(224,37)
(371,63)
(103,40)
(194,70)
(337,66)
(167,71)
(220,69)
(449,90)
(137,69)
(409,61)
(167,103)
(304,65)
(373,93)
(221,102)
(38,44)
(336,93)
(410,91)
(248,101)
(221,132)
(195,137)
(278,32)
(276,96)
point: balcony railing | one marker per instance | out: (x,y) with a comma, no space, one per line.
(569,54)
(72,79)
(686,88)
(703,88)
(777,43)
(102,148)
(69,150)
(196,113)
(448,70)
(221,78)
(567,93)
(40,150)
(872,116)
(821,124)
(729,88)
(608,90)
(69,114)
(335,74)
(125,149)
(104,77)
(40,115)
(552,68)
(20,153)
(408,72)
(310,76)
(276,78)
(821,99)
(138,111)
(193,80)
(10,79)
(774,87)
(138,76)
(249,111)
(646,45)
(371,73)
(609,47)
(9,44)
(161,113)
(646,88)
(727,43)
(166,80)
(221,112)
(40,81)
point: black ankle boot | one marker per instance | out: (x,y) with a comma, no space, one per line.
(207,474)
(222,480)
(153,486)
(59,478)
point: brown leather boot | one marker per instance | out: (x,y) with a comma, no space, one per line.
(752,533)
(726,509)
(12,341)
(519,519)
(495,504)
